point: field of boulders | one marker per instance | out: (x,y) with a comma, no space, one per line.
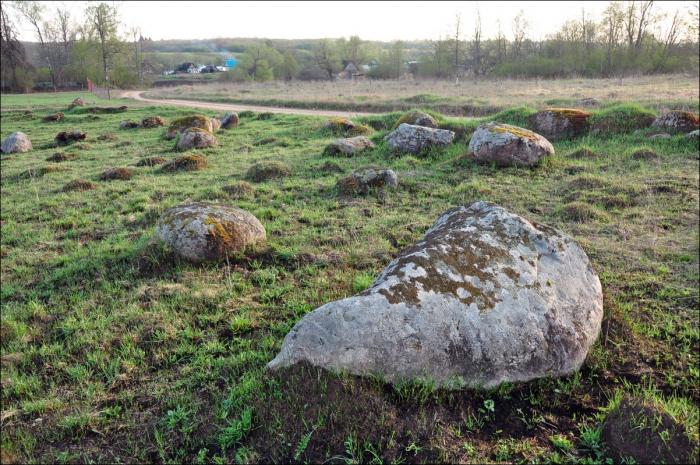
(191,286)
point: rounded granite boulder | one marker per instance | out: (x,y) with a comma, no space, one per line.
(485,297)
(207,232)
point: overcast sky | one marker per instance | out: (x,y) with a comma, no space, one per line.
(385,21)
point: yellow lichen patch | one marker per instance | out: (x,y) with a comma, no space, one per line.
(225,237)
(569,113)
(516,131)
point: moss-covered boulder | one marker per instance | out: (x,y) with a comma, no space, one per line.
(560,123)
(677,121)
(152,122)
(196,138)
(348,147)
(180,125)
(204,232)
(507,145)
(17,142)
(485,297)
(417,118)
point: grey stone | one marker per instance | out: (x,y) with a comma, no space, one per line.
(348,147)
(508,145)
(408,138)
(693,134)
(17,142)
(229,121)
(195,138)
(677,121)
(485,297)
(201,231)
(363,179)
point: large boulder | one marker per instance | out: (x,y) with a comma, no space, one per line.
(203,231)
(362,180)
(485,297)
(677,121)
(17,142)
(348,147)
(229,121)
(560,123)
(195,138)
(417,118)
(508,145)
(409,138)
(180,125)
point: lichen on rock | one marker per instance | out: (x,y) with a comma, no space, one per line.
(485,297)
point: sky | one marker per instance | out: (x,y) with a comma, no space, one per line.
(382,21)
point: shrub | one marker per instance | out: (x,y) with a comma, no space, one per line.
(621,118)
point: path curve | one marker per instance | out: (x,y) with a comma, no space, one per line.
(137,95)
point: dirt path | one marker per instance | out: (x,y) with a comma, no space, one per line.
(137,95)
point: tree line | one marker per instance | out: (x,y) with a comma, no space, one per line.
(631,37)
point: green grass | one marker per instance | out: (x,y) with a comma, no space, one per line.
(113,350)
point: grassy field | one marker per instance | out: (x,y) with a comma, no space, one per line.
(113,350)
(467,98)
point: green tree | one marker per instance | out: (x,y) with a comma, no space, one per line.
(288,67)
(102,21)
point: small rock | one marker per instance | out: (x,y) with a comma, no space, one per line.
(112,174)
(215,124)
(695,135)
(202,231)
(364,179)
(53,117)
(78,102)
(67,137)
(508,145)
(128,124)
(152,122)
(413,139)
(17,142)
(677,121)
(343,126)
(195,138)
(587,102)
(662,135)
(348,147)
(417,118)
(229,121)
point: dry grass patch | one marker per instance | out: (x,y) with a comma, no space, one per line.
(264,170)
(79,185)
(113,174)
(186,163)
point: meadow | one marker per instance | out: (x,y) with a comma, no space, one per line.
(465,98)
(115,350)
